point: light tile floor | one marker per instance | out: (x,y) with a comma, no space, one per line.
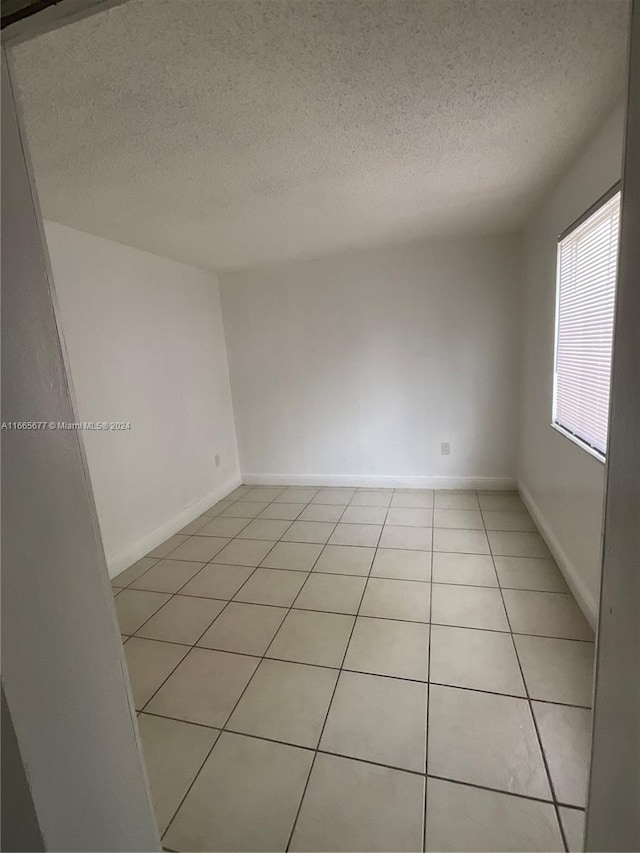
(360,669)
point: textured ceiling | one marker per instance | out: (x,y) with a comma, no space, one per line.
(232,133)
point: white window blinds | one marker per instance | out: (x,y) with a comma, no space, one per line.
(587,271)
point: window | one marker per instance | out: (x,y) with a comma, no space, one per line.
(586,286)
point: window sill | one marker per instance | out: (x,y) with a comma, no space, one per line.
(573,438)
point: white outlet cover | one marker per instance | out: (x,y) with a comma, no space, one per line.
(445,448)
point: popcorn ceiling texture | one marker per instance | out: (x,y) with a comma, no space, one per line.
(234,133)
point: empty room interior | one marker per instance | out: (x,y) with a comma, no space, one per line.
(335,283)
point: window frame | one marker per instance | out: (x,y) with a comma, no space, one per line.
(580,442)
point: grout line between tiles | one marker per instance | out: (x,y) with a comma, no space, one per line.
(262,658)
(533,717)
(335,686)
(426,751)
(222,729)
(206,629)
(365,761)
(341,668)
(356,671)
(342,612)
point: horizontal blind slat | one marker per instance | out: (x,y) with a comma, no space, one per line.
(587,270)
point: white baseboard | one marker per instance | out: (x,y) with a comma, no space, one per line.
(582,595)
(381,481)
(134,552)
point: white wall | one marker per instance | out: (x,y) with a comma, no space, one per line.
(146,345)
(563,484)
(355,368)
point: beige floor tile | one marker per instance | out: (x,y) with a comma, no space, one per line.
(458,519)
(245,509)
(387,647)
(282,511)
(149,663)
(272,586)
(134,607)
(219,508)
(167,575)
(286,702)
(173,755)
(547,614)
(481,660)
(505,502)
(529,573)
(309,531)
(205,687)
(410,517)
(338,497)
(402,565)
(345,560)
(392,599)
(460,541)
(264,528)
(468,607)
(133,572)
(364,515)
(181,620)
(236,493)
(460,817)
(169,546)
(244,628)
(244,552)
(295,494)
(365,535)
(566,739)
(409,538)
(557,670)
(467,569)
(506,543)
(245,798)
(485,739)
(194,526)
(262,493)
(413,498)
(456,500)
(520,521)
(322,512)
(353,806)
(218,581)
(331,593)
(309,637)
(296,556)
(201,549)
(372,497)
(378,719)
(573,825)
(227,527)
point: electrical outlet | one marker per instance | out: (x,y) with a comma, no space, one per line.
(217,460)
(445,449)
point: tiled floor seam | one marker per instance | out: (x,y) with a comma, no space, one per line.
(426,752)
(530,704)
(205,630)
(221,729)
(342,668)
(335,686)
(342,613)
(203,567)
(262,658)
(356,671)
(547,801)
